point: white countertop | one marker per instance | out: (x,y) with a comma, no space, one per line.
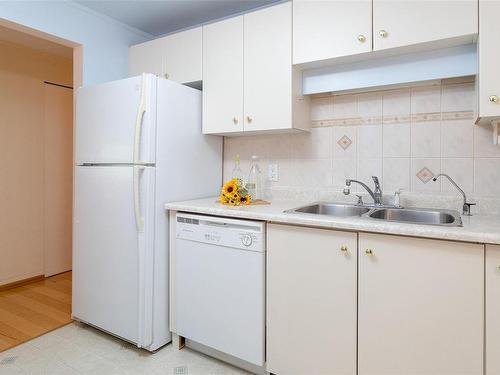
(479,228)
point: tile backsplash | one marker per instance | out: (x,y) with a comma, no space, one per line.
(404,136)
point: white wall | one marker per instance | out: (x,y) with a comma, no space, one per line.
(105,41)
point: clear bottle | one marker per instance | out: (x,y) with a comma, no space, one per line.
(254,183)
(237,172)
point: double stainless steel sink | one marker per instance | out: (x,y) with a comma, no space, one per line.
(401,215)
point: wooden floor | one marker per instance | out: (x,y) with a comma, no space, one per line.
(33,309)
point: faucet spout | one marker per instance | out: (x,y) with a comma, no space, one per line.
(465,206)
(376,195)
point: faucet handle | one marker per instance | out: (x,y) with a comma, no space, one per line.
(375,180)
(360,200)
(467,207)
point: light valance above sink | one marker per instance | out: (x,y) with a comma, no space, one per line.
(382,71)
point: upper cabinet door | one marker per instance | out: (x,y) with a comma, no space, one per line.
(400,23)
(223,76)
(489,55)
(146,58)
(183,56)
(268,68)
(328,29)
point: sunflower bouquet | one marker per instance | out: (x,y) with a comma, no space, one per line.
(234,194)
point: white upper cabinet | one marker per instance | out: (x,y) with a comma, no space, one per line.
(177,57)
(248,81)
(489,56)
(223,76)
(492,310)
(146,58)
(399,23)
(328,29)
(183,58)
(268,68)
(421,306)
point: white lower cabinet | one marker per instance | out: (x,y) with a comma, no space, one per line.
(492,310)
(311,300)
(420,306)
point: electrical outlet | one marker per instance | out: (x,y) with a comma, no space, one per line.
(273,172)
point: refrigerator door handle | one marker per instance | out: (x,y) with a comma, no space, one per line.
(139,220)
(138,121)
(145,274)
(139,224)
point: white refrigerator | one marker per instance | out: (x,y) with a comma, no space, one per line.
(139,144)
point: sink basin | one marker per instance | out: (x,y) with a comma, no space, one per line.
(331,209)
(418,216)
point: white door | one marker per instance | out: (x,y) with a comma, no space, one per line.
(116,121)
(223,76)
(147,57)
(268,68)
(111,275)
(400,23)
(58,181)
(311,301)
(327,29)
(183,56)
(489,55)
(492,310)
(421,306)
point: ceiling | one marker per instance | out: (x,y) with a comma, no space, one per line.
(17,37)
(163,17)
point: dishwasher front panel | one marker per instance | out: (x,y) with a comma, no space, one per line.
(220,299)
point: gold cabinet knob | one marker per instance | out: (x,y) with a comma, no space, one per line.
(369,252)
(249,119)
(494,99)
(383,33)
(344,249)
(361,38)
(167,76)
(235,120)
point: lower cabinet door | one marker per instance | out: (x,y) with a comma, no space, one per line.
(493,310)
(311,300)
(420,306)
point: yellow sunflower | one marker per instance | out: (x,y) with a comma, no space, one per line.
(230,187)
(246,200)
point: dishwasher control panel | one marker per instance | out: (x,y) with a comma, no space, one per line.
(240,234)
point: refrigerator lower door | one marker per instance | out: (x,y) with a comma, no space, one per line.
(116,122)
(113,249)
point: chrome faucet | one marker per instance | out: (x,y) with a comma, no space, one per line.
(466,206)
(375,194)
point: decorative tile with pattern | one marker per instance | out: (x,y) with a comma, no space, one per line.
(425,175)
(344,142)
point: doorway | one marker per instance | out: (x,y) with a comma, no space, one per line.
(37,75)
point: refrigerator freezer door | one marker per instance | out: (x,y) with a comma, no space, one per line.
(113,249)
(116,122)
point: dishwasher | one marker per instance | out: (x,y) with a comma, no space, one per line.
(220,284)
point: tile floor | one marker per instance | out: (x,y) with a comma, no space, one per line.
(80,349)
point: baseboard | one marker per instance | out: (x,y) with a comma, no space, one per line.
(22,282)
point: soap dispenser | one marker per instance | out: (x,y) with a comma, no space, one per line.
(397,198)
